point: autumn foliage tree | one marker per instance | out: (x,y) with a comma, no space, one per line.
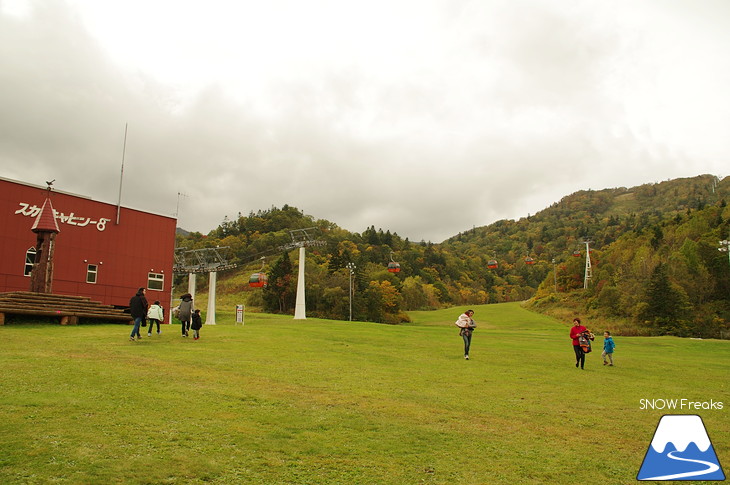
(674,224)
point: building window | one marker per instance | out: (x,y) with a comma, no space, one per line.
(155,281)
(29,261)
(91,273)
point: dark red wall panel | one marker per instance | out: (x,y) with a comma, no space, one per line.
(124,253)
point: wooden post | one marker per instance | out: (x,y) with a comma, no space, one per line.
(46,229)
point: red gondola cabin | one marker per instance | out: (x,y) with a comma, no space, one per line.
(258,280)
(394,267)
(492,264)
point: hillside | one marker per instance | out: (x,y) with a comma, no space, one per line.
(655,264)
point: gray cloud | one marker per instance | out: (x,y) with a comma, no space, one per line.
(485,110)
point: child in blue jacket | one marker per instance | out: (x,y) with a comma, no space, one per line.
(608,346)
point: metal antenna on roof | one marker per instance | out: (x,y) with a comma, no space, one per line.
(121,176)
(177,209)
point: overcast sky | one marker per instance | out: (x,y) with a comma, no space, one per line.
(422,117)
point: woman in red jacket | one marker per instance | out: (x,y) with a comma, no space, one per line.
(575,331)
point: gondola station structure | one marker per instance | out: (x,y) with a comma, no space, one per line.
(68,255)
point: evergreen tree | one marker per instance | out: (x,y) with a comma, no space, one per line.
(667,307)
(656,240)
(280,294)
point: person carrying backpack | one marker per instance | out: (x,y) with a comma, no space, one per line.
(466,328)
(581,342)
(185,313)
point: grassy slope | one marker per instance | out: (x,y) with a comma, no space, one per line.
(284,401)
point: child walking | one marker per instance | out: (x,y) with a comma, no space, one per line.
(155,314)
(608,346)
(197,324)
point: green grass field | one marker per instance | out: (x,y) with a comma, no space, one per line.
(281,401)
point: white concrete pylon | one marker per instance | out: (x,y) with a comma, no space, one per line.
(191,285)
(210,315)
(300,310)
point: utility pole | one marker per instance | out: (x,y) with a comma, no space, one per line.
(351,267)
(725,248)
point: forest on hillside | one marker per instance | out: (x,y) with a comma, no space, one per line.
(654,260)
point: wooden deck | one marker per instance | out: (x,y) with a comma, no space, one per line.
(68,310)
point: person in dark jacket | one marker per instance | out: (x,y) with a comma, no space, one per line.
(197,324)
(138,310)
(186,311)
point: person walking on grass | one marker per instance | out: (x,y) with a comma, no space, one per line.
(186,312)
(466,328)
(155,314)
(197,324)
(578,331)
(138,311)
(608,346)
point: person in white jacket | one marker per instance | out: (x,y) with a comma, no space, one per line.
(466,327)
(155,314)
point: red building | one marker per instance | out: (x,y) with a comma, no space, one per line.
(94,256)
